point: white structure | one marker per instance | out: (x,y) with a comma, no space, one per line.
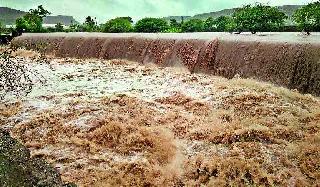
(43,25)
(10,26)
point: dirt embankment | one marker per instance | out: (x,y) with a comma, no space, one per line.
(290,63)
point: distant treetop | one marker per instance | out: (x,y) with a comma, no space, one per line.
(308,17)
(258,18)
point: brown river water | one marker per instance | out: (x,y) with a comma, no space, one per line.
(120,123)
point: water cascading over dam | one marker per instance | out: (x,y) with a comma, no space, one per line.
(283,59)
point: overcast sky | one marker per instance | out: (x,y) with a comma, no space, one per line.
(106,9)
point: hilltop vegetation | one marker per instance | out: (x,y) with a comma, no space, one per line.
(287,9)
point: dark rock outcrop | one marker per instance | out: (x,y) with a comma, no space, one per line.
(18,169)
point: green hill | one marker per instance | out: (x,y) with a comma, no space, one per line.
(287,9)
(9,16)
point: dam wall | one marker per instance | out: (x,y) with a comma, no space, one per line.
(285,59)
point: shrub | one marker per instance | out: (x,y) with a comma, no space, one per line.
(151,25)
(73,28)
(117,25)
(58,27)
(259,17)
(308,17)
(193,25)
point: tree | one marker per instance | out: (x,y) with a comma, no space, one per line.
(174,23)
(118,25)
(209,25)
(58,27)
(223,23)
(21,24)
(40,11)
(193,25)
(258,17)
(174,27)
(90,25)
(151,25)
(32,21)
(230,25)
(308,17)
(127,18)
(90,21)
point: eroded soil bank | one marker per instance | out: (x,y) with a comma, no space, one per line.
(285,59)
(118,122)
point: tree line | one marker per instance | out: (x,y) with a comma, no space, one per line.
(250,18)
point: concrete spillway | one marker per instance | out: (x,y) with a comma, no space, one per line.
(284,59)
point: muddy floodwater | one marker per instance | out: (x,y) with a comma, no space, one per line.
(116,122)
